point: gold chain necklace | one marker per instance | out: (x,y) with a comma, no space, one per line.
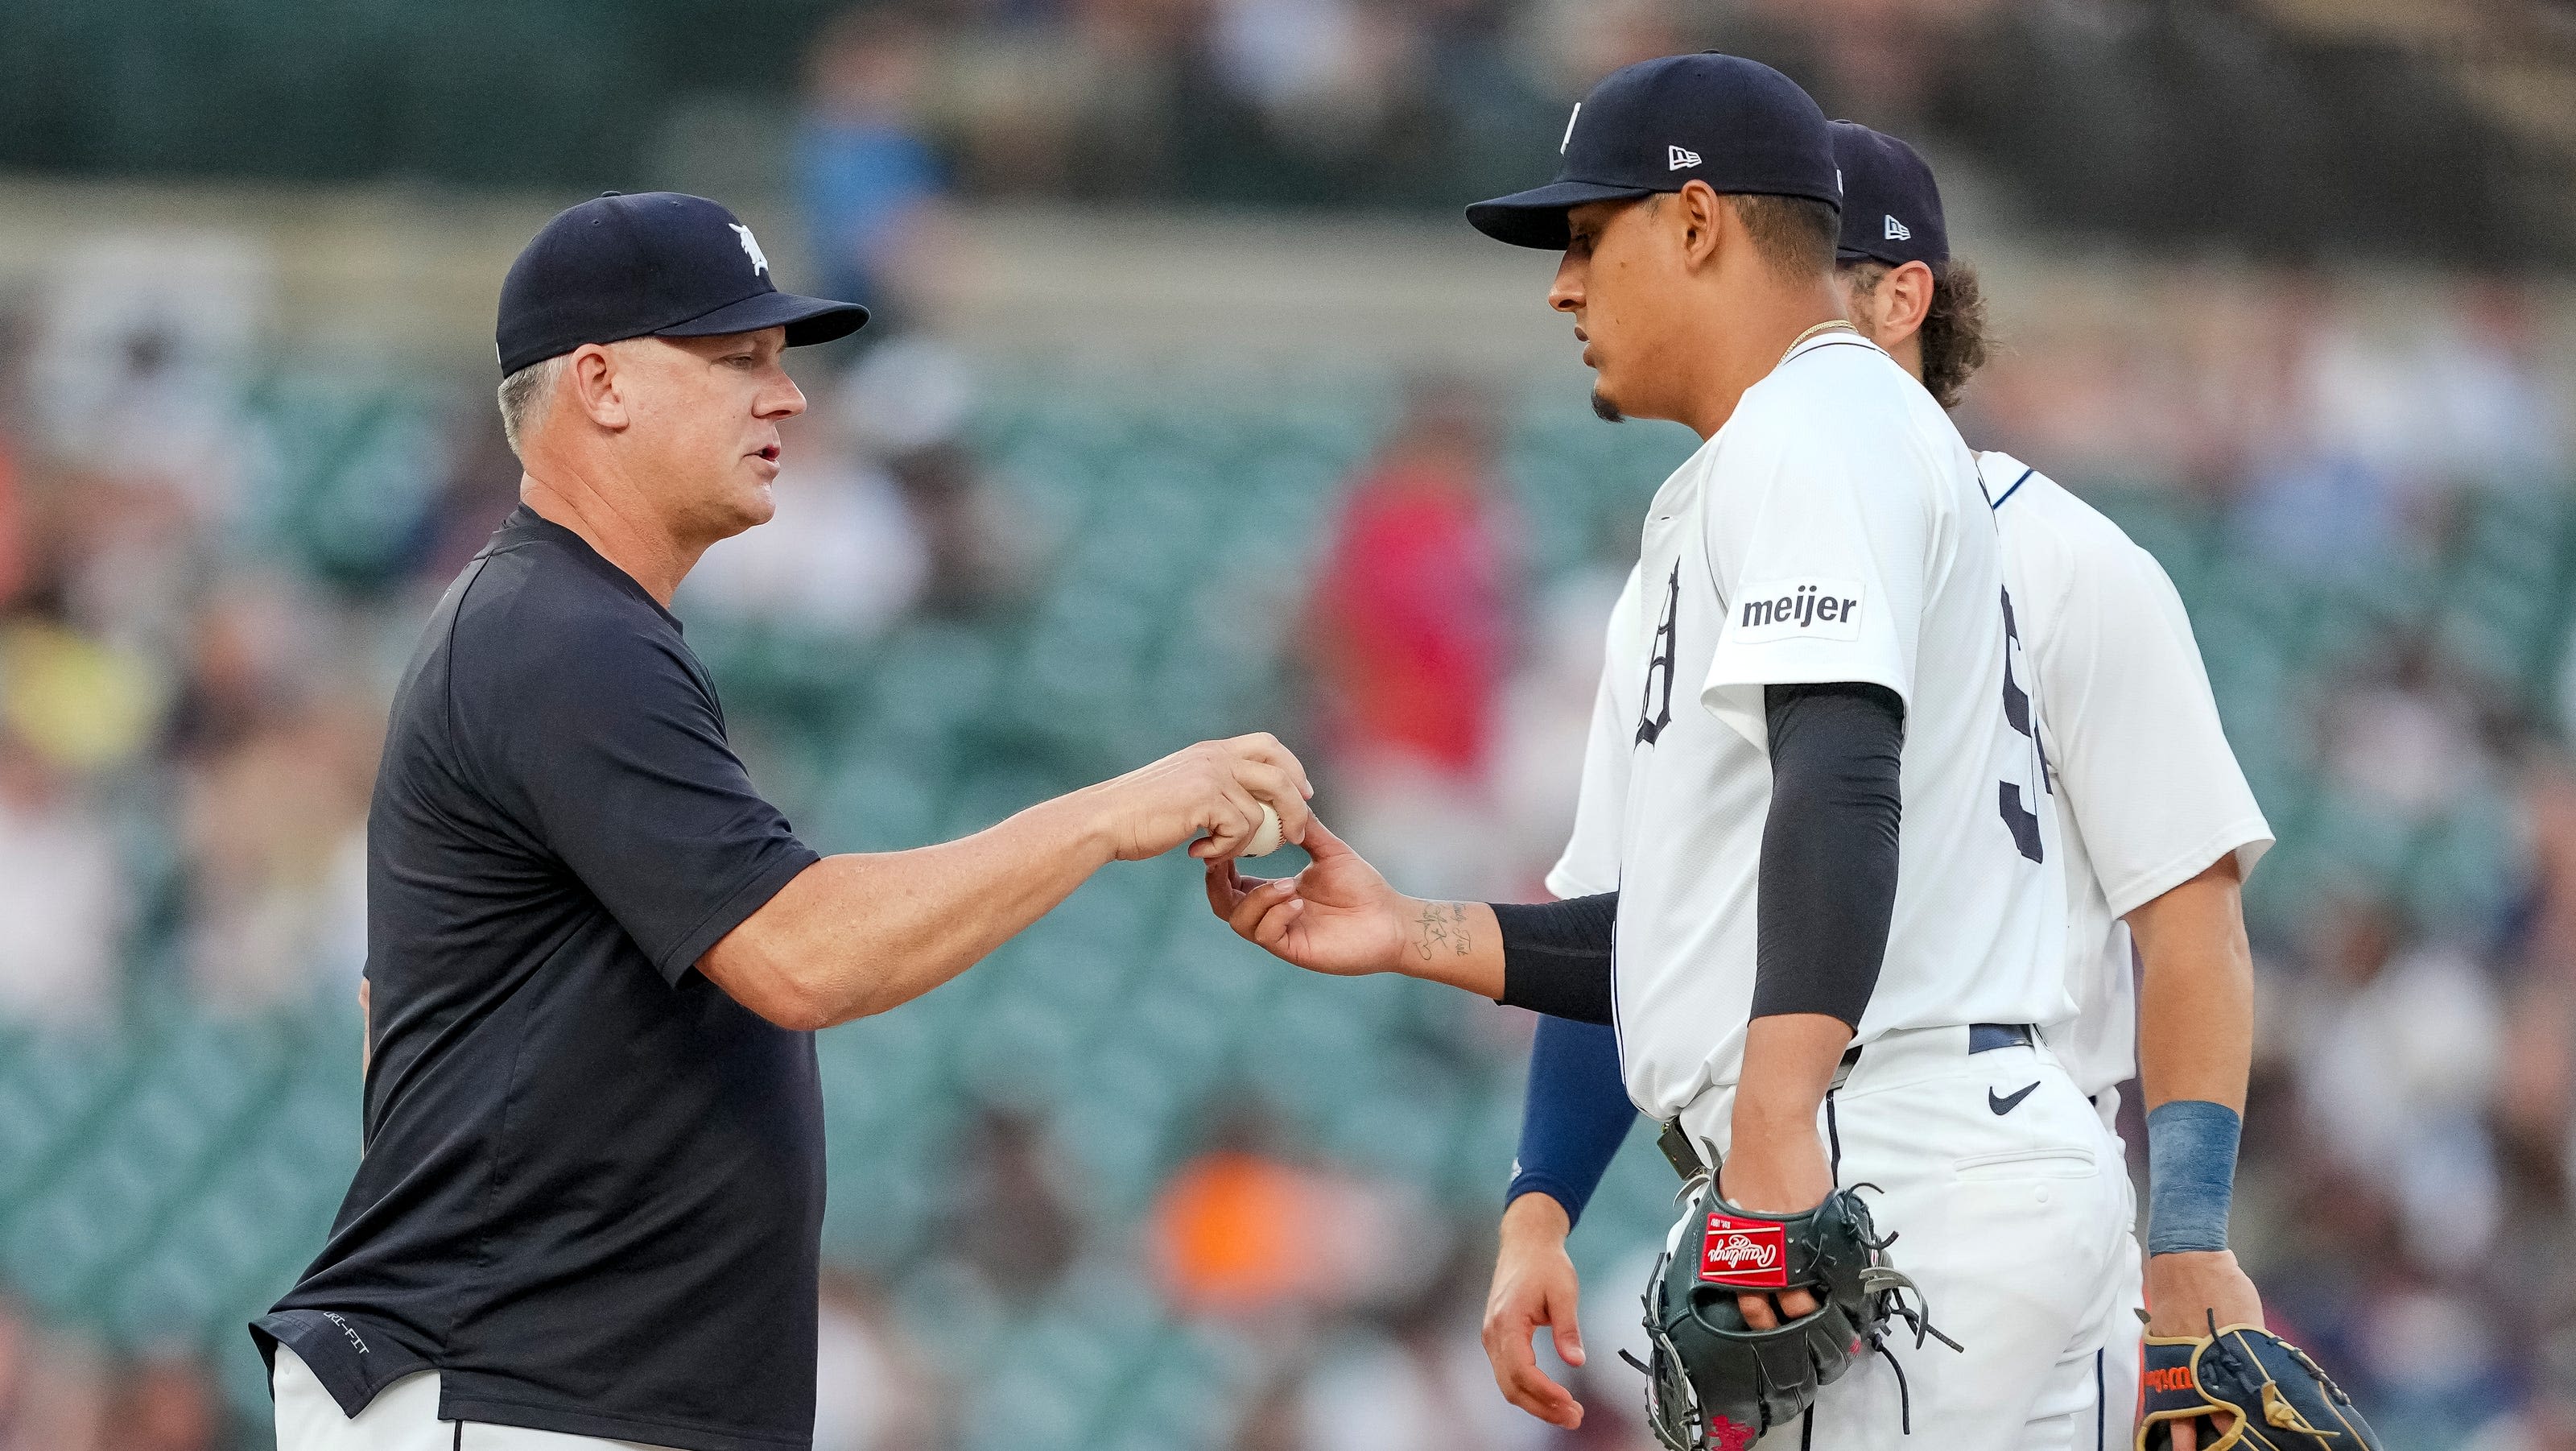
(1829,325)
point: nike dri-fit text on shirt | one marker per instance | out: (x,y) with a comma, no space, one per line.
(592,1190)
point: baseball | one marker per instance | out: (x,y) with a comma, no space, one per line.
(1265,838)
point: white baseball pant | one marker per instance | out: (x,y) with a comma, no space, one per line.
(402,1417)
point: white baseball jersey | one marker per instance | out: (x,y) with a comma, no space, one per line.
(1832,530)
(2148,792)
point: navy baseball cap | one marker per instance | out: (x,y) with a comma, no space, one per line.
(656,264)
(1891,206)
(1660,124)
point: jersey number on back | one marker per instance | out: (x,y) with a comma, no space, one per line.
(2019,819)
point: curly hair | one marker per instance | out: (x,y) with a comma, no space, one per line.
(1955,342)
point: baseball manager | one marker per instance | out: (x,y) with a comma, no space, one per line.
(589,1208)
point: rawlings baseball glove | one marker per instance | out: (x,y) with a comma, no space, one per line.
(1714,1383)
(2279,1397)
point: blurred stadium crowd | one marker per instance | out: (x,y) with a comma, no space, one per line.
(2440,129)
(1129,1185)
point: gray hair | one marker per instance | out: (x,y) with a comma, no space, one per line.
(525,395)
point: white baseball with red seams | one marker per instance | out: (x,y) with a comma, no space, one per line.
(1266,837)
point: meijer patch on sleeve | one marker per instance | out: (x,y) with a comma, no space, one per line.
(1819,609)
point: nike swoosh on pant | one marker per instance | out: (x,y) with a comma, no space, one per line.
(2003,1106)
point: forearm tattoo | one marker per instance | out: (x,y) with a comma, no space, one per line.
(1440,930)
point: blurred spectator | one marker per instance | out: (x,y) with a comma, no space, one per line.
(1241,1232)
(1580,41)
(2493,415)
(871,1392)
(138,347)
(868,181)
(1230,1231)
(254,649)
(2396,1046)
(1009,1214)
(17,1348)
(1416,1381)
(81,702)
(2536,1104)
(166,1401)
(479,491)
(906,407)
(843,555)
(1340,80)
(63,894)
(1409,634)
(14,564)
(2342,482)
(1543,722)
(53,1390)
(2378,429)
(274,826)
(2407,736)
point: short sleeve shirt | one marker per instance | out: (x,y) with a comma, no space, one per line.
(2149,789)
(1832,530)
(592,1190)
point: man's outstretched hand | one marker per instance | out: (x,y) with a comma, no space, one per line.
(1337,916)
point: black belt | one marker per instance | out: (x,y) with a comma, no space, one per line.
(1986,1037)
(1982,1038)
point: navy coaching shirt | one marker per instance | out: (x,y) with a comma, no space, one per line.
(592,1190)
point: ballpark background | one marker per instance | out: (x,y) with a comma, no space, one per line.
(1185,364)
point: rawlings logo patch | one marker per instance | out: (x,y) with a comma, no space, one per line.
(1748,1253)
(1726,1435)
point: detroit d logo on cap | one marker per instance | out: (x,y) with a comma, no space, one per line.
(750,248)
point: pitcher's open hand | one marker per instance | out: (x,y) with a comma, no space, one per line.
(1337,916)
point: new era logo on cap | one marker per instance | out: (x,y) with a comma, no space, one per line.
(1680,157)
(1891,207)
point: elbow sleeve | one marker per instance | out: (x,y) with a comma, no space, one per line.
(1829,848)
(1556,955)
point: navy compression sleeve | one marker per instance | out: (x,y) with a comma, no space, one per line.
(1575,1116)
(1556,955)
(1828,883)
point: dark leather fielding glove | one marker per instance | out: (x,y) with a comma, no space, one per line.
(1715,1383)
(2281,1399)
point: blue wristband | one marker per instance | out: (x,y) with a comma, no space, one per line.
(2191,1175)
